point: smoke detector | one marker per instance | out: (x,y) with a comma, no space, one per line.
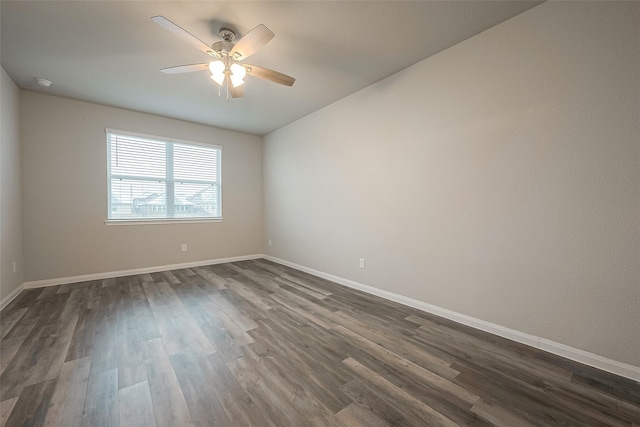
(43,82)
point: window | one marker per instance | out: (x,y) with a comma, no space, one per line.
(153,178)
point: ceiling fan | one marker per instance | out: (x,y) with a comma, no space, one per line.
(227,67)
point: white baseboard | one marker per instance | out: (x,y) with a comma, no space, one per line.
(594,360)
(6,300)
(121,273)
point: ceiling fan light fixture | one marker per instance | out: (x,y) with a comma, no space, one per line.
(227,67)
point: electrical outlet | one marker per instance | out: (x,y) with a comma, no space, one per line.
(14,266)
(184,247)
(269,242)
(361,262)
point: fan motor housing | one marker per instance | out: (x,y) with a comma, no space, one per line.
(222,47)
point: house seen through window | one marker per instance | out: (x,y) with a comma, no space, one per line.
(152,178)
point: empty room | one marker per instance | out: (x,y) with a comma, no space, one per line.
(319,213)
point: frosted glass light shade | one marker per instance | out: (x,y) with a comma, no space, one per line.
(216,67)
(238,71)
(236,81)
(218,78)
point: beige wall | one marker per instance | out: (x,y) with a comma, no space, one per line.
(499,179)
(65,199)
(10,187)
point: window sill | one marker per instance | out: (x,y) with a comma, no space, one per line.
(161,221)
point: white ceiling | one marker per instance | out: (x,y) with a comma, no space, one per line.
(110,52)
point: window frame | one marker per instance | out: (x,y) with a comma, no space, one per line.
(165,180)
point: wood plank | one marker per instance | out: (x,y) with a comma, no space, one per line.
(104,351)
(272,402)
(101,402)
(305,403)
(372,400)
(135,407)
(67,402)
(32,405)
(498,415)
(248,294)
(623,389)
(131,367)
(81,344)
(235,331)
(448,404)
(145,321)
(8,349)
(629,411)
(130,363)
(222,304)
(24,327)
(437,373)
(357,415)
(6,406)
(216,282)
(308,284)
(237,404)
(311,350)
(169,405)
(398,344)
(304,290)
(493,350)
(177,326)
(181,332)
(532,401)
(200,396)
(10,318)
(292,305)
(326,388)
(26,298)
(419,408)
(204,313)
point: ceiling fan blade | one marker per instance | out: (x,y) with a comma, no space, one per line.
(252,41)
(236,92)
(271,75)
(185,68)
(183,34)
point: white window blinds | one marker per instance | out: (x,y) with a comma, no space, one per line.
(155,178)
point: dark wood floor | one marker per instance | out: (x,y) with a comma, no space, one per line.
(254,343)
